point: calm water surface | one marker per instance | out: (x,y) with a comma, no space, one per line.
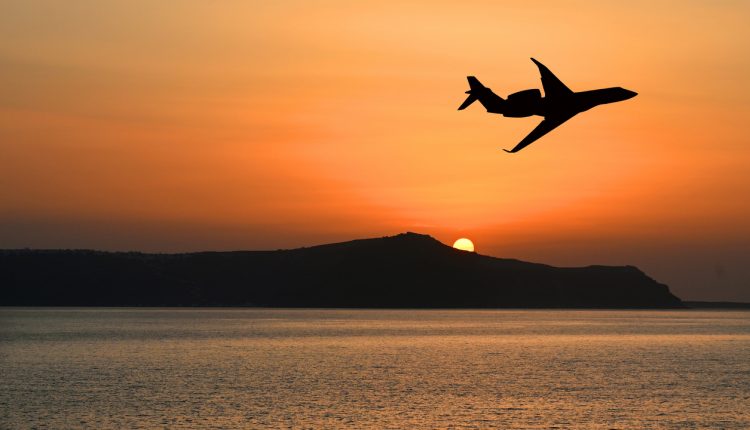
(277,368)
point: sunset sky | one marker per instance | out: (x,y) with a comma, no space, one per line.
(218,125)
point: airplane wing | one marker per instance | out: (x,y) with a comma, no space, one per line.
(544,127)
(552,85)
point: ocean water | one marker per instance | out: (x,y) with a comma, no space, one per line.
(394,369)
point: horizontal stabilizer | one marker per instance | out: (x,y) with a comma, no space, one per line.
(469,100)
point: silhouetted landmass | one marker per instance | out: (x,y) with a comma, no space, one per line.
(404,271)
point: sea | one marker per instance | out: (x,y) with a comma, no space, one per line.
(246,368)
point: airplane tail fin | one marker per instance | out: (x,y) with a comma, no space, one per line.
(486,97)
(474,83)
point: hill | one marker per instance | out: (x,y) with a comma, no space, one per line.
(404,271)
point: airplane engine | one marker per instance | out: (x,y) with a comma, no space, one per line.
(523,103)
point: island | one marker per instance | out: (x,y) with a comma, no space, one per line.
(408,270)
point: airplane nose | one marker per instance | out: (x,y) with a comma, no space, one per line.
(630,94)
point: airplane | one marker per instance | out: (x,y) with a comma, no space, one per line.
(558,105)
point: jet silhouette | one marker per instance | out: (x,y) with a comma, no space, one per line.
(558,105)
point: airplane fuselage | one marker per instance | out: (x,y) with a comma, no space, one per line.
(530,102)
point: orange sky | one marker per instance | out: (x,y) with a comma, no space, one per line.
(249,125)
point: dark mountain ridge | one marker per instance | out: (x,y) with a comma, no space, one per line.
(404,271)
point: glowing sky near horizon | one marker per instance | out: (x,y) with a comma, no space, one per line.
(164,126)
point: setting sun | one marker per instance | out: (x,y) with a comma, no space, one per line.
(464,244)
